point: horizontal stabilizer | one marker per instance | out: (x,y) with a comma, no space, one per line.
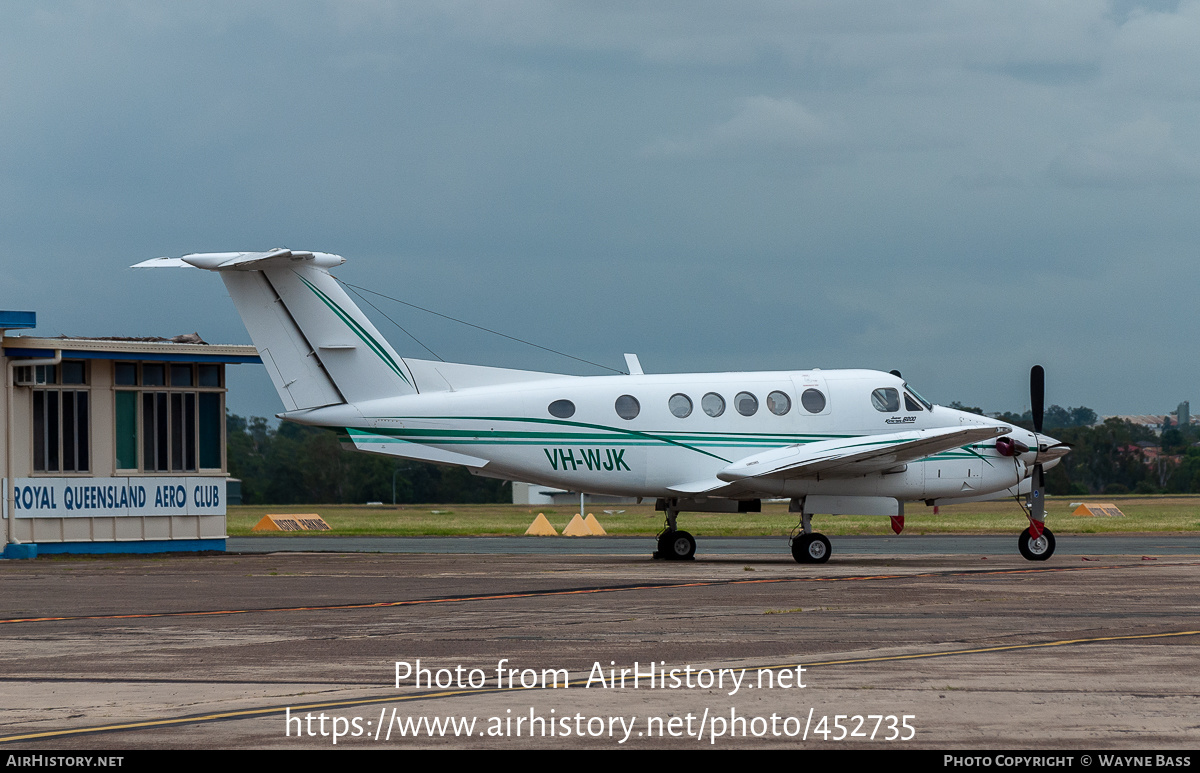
(382,444)
(855,455)
(246,261)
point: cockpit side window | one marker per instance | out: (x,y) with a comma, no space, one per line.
(928,405)
(910,404)
(886,400)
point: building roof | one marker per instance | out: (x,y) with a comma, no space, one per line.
(129,349)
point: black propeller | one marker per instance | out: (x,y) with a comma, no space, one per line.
(1037,499)
(1037,395)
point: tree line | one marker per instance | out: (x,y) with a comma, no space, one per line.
(297,464)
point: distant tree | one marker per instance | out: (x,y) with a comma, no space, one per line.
(1054,417)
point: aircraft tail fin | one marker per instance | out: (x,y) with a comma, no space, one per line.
(317,345)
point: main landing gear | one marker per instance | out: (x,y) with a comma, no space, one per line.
(811,548)
(808,547)
(674,544)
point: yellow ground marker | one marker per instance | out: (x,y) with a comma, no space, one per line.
(292,522)
(1104,509)
(595,526)
(540,528)
(577,528)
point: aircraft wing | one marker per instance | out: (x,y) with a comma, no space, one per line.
(854,455)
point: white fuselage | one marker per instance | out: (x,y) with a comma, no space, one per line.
(513,428)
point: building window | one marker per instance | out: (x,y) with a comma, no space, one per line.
(61,419)
(60,430)
(175,419)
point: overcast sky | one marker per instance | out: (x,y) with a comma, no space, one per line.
(957,189)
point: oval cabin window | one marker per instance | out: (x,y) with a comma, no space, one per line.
(628,407)
(562,409)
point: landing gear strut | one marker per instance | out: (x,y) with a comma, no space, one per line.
(809,547)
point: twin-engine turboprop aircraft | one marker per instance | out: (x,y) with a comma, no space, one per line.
(831,441)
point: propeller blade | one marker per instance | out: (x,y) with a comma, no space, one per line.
(1037,396)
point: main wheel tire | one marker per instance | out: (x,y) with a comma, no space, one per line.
(811,549)
(1036,549)
(676,546)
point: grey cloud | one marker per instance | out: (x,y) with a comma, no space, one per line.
(1135,154)
(762,124)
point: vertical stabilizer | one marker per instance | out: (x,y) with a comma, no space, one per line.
(317,345)
(361,364)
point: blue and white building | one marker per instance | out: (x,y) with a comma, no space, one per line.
(112,445)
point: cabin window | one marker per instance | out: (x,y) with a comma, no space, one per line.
(886,400)
(779,403)
(713,404)
(746,403)
(680,405)
(628,407)
(562,409)
(813,400)
(910,404)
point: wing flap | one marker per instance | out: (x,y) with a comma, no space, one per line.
(707,487)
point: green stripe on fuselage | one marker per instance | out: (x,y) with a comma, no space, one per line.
(575,432)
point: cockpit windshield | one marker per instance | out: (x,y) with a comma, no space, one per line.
(928,405)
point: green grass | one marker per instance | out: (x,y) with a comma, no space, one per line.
(1143,514)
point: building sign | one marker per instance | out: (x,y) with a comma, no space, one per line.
(108,497)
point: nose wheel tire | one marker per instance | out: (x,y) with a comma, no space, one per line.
(1036,549)
(676,546)
(811,549)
